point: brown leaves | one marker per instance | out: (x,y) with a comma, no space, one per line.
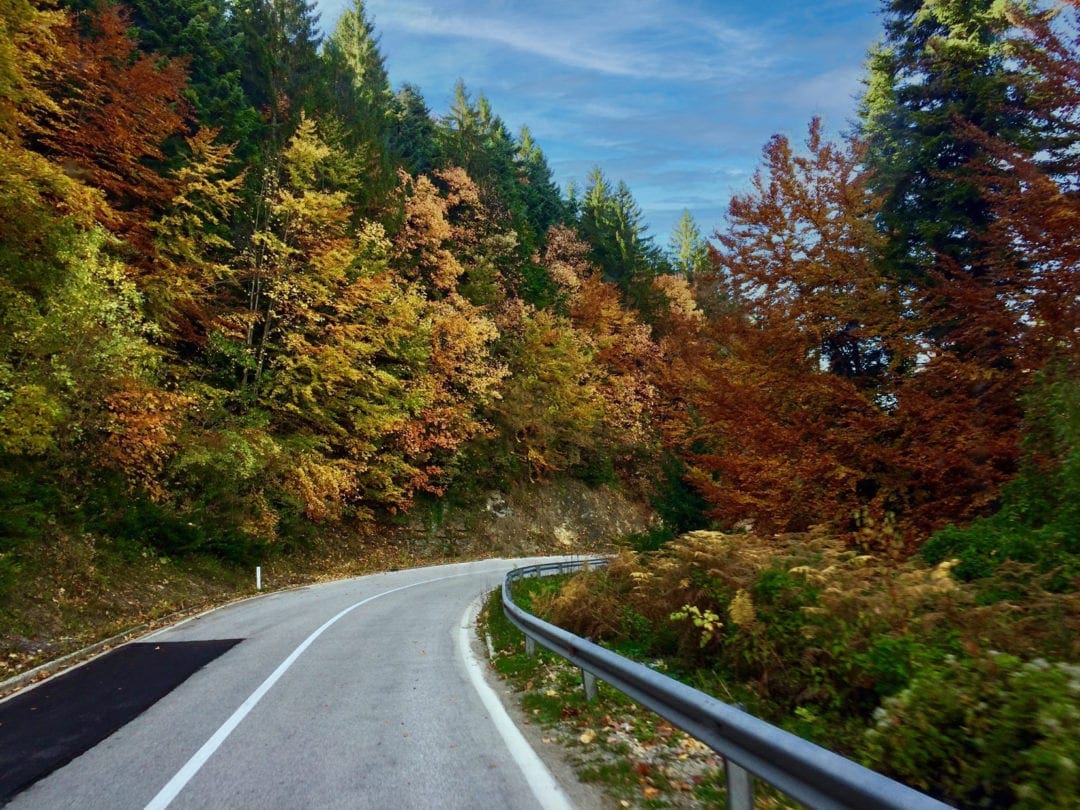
(114,109)
(141,426)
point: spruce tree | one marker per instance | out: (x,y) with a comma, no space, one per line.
(942,62)
(281,67)
(688,249)
(207,34)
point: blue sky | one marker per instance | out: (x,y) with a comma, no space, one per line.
(674,97)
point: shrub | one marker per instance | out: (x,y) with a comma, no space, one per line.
(985,732)
(802,620)
(1039,519)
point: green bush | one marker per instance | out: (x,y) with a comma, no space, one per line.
(133,522)
(1039,519)
(985,732)
(650,539)
(679,505)
(595,467)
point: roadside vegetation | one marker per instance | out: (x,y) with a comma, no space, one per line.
(968,690)
(635,757)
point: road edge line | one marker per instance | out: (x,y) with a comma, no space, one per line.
(548,792)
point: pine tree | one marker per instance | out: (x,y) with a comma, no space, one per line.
(611,221)
(360,99)
(413,140)
(942,61)
(206,33)
(543,201)
(688,249)
(359,86)
(281,66)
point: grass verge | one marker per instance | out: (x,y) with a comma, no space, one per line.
(637,758)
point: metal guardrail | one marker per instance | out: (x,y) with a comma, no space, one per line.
(806,772)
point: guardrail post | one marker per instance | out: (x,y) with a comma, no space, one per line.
(740,787)
(588,680)
(530,645)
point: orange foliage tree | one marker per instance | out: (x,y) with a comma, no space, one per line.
(828,393)
(113,109)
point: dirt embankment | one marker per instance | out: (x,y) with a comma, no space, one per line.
(561,517)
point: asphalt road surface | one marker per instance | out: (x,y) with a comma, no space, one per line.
(363,693)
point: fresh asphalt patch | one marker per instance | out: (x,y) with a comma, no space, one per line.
(46,727)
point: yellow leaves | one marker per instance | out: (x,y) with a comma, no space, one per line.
(323,487)
(707,620)
(423,241)
(304,154)
(741,609)
(680,297)
(141,432)
(566,258)
(29,421)
(551,403)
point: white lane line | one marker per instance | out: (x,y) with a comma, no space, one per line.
(191,767)
(547,791)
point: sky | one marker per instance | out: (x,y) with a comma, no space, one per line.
(675,97)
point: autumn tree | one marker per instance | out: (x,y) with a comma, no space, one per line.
(624,353)
(447,246)
(550,404)
(1031,193)
(193,246)
(817,397)
(115,108)
(787,407)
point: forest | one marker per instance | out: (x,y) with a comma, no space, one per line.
(252,295)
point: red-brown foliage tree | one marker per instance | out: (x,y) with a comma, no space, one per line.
(114,108)
(828,393)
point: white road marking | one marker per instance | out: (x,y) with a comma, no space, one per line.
(547,791)
(191,767)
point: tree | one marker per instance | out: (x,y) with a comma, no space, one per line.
(1033,245)
(611,222)
(206,36)
(413,139)
(688,248)
(818,398)
(942,60)
(357,68)
(361,99)
(337,344)
(543,203)
(193,242)
(281,66)
(116,108)
(550,404)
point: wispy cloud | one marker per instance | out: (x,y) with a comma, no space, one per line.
(625,40)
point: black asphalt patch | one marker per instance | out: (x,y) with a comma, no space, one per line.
(48,726)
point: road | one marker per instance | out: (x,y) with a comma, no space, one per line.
(357,693)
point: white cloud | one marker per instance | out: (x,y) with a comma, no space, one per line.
(615,39)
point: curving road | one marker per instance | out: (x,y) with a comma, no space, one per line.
(358,693)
